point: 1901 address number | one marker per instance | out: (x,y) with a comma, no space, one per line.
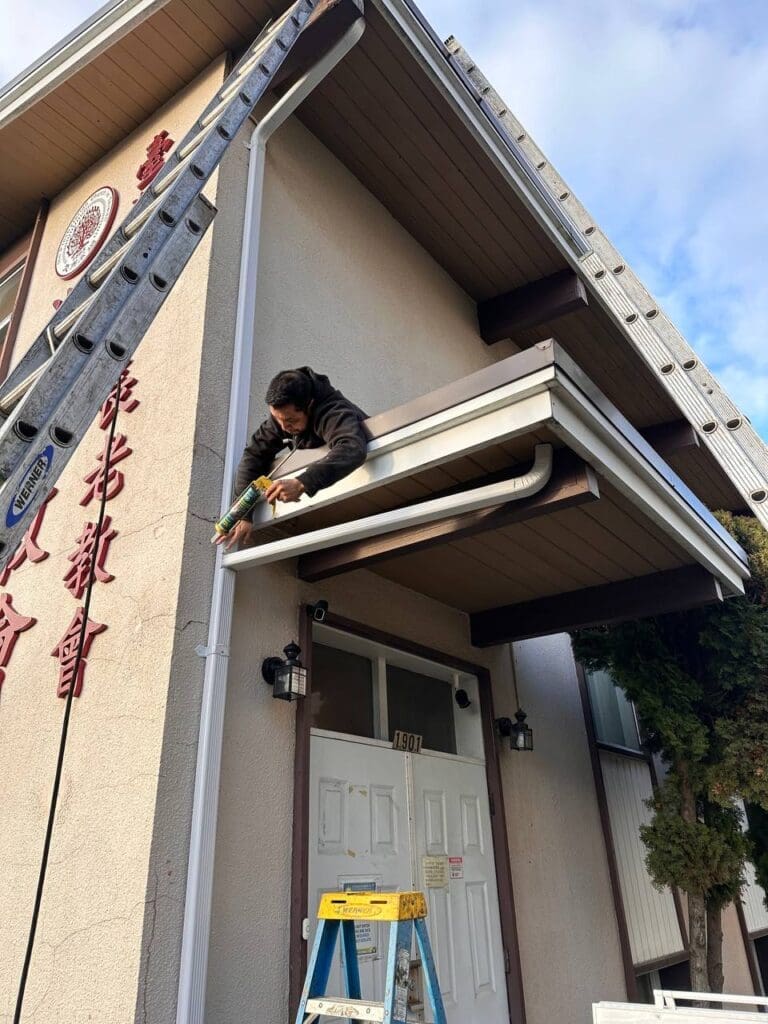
(408,741)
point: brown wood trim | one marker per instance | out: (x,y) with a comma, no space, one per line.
(661,962)
(654,594)
(758,933)
(500,839)
(35,239)
(749,949)
(668,438)
(300,866)
(325,26)
(630,978)
(297,967)
(531,305)
(572,483)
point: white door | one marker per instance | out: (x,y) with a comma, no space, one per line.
(384,819)
(451,819)
(358,827)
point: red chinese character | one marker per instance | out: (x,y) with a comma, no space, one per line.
(76,578)
(29,548)
(66,652)
(11,624)
(57,302)
(97,485)
(127,402)
(152,166)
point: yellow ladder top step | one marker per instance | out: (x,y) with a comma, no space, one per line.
(374,906)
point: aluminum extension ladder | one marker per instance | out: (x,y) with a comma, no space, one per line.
(337,914)
(50,399)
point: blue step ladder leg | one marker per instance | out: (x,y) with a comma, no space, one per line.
(430,974)
(351,965)
(398,972)
(319,967)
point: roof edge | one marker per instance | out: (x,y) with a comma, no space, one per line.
(73,52)
(720,425)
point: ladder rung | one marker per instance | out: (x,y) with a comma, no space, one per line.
(349,1009)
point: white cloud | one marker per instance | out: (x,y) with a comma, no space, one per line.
(24,39)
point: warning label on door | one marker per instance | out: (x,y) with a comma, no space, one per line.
(435,871)
(456,867)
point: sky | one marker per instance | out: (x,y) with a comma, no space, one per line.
(656,114)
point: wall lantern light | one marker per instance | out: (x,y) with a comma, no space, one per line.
(289,677)
(520,734)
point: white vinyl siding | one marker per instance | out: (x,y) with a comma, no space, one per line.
(753,898)
(652,923)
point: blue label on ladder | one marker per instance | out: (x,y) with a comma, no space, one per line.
(34,479)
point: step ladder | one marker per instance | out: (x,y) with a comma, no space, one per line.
(337,914)
(51,397)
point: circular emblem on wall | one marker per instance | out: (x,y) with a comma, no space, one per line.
(87,232)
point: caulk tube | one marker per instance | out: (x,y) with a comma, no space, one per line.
(252,494)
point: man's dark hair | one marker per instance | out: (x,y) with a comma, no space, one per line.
(290,387)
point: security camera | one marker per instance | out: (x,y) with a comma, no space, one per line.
(319,610)
(462,699)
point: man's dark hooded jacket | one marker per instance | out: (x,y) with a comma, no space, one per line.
(333,421)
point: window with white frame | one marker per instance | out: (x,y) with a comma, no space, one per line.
(9,287)
(364,688)
(613,713)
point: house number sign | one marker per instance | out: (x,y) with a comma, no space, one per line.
(408,741)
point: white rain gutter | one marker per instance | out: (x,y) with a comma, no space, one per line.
(397,519)
(197,905)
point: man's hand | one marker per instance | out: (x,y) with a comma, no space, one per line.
(285,490)
(237,535)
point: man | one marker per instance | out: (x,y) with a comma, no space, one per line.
(307,410)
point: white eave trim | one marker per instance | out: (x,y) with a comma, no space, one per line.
(545,398)
(75,51)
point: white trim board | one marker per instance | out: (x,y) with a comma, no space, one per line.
(546,398)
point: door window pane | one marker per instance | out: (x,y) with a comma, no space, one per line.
(421,704)
(612,712)
(342,691)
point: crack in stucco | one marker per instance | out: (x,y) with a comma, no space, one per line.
(153,904)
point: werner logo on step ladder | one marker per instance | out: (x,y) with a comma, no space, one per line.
(54,393)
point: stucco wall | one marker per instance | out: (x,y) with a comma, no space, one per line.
(103,898)
(344,288)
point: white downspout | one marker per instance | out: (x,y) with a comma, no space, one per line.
(197,905)
(430,511)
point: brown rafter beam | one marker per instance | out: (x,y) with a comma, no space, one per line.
(572,483)
(672,437)
(670,591)
(530,306)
